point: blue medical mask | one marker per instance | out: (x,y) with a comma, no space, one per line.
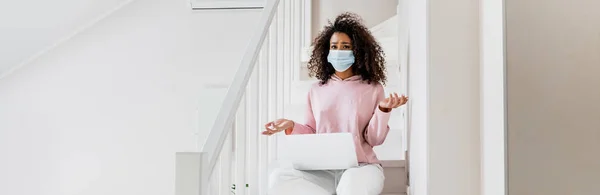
(341,60)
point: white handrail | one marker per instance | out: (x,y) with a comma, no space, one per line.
(222,126)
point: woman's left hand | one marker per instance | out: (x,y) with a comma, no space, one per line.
(394,101)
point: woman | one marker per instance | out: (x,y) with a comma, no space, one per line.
(348,98)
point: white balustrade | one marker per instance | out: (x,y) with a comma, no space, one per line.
(234,157)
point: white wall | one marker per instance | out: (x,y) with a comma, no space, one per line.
(444,90)
(105,112)
(31,27)
(553,58)
(372,12)
(454,141)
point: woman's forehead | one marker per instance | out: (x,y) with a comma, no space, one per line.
(340,37)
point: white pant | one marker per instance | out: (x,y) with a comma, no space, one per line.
(362,180)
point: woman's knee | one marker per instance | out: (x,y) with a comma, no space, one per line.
(366,180)
(286,181)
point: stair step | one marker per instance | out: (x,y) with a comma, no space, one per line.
(386,28)
(395,177)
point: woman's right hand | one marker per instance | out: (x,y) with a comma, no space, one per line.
(277,126)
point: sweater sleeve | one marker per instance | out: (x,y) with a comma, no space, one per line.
(378,128)
(309,121)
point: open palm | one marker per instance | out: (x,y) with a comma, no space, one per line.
(277,126)
(394,101)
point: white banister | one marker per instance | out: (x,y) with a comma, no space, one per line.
(307,23)
(235,158)
(240,147)
(225,166)
(225,116)
(262,98)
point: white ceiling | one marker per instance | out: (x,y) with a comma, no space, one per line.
(28,27)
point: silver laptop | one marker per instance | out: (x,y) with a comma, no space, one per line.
(329,151)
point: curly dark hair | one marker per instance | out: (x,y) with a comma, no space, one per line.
(369,56)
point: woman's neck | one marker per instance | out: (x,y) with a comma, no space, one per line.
(344,75)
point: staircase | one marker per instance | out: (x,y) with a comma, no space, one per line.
(395,171)
(395,177)
(235,157)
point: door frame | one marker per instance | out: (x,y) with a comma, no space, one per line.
(493,98)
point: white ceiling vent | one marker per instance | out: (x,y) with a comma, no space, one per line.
(227,4)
